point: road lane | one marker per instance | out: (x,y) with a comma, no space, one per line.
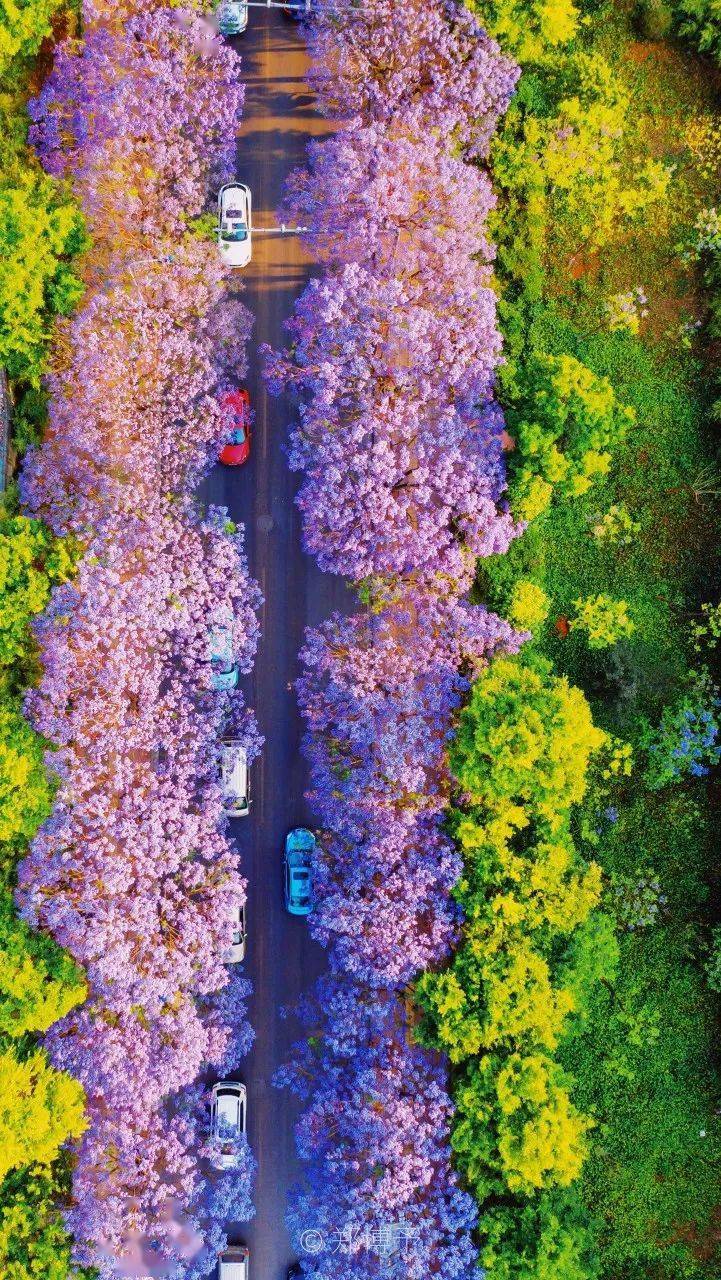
(282,962)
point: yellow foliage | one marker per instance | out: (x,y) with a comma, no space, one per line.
(522,1005)
(529,605)
(546,1144)
(526,30)
(571,161)
(40,1109)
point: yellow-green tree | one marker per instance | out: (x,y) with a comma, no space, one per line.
(527,29)
(566,426)
(32,562)
(520,758)
(40,1108)
(24,24)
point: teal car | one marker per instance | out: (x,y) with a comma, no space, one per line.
(298,871)
(232,17)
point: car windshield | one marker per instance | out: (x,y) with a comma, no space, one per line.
(237,436)
(236,234)
(301,875)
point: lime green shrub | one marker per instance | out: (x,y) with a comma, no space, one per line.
(41,232)
(24,24)
(528,606)
(527,31)
(604,621)
(565,425)
(32,561)
(521,758)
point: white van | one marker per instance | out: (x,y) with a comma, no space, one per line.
(234,778)
(234,1263)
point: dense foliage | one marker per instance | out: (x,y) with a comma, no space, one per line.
(42,1107)
(393,353)
(592,192)
(521,758)
(394,348)
(133,873)
(41,227)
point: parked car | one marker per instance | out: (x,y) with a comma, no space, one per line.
(235,410)
(234,1263)
(298,871)
(228,1107)
(234,779)
(236,950)
(233,17)
(234,224)
(224,669)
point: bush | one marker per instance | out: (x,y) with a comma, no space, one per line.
(528,30)
(602,619)
(686,743)
(655,19)
(565,424)
(528,606)
(499,1010)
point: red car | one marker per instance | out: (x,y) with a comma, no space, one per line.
(235,408)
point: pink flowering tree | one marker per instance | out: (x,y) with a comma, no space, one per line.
(140,114)
(433,60)
(393,354)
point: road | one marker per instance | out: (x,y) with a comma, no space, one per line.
(281,960)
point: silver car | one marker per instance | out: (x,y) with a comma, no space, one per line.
(236,950)
(234,781)
(234,1263)
(235,224)
(228,1105)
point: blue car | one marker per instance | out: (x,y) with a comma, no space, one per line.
(298,871)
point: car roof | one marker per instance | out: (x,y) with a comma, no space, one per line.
(300,838)
(228,1102)
(234,1268)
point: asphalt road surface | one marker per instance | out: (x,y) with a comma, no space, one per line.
(281,961)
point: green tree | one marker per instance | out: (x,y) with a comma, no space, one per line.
(34,1244)
(32,562)
(566,425)
(41,231)
(24,24)
(39,983)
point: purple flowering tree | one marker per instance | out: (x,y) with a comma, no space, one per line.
(133,872)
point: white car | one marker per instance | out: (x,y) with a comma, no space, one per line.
(232,17)
(236,951)
(235,224)
(234,1263)
(234,781)
(228,1105)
